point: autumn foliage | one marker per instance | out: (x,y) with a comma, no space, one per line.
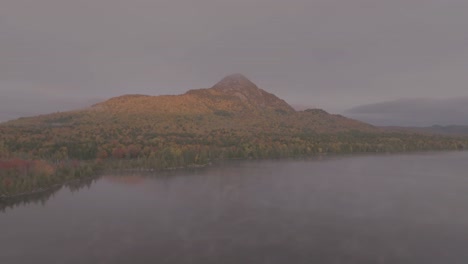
(234,119)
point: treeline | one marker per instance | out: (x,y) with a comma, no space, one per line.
(164,150)
(34,160)
(18,176)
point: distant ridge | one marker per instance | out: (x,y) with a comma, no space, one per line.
(414,112)
(453,130)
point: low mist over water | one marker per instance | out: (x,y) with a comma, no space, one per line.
(363,209)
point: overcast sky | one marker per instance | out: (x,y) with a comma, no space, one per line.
(332,54)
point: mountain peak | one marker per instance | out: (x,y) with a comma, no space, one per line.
(235,81)
(237,77)
(240,87)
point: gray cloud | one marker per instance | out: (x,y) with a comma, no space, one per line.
(326,53)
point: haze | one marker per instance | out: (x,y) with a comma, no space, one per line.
(333,54)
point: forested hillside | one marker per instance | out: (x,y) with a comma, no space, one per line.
(233,119)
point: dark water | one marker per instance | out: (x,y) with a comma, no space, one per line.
(364,209)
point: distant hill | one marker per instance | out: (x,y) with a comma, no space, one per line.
(417,112)
(453,130)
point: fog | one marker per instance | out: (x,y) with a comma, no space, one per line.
(332,54)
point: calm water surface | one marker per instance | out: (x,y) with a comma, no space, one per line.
(362,209)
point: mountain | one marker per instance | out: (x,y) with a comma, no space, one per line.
(233,119)
(233,103)
(234,94)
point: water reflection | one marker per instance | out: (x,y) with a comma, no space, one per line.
(358,210)
(44,196)
(35,198)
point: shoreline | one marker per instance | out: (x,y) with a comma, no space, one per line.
(100,172)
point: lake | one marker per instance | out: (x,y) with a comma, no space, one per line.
(406,208)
